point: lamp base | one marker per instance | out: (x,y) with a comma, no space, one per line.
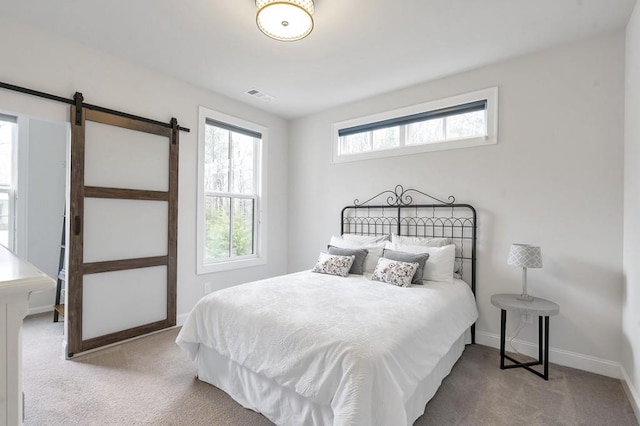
(525,297)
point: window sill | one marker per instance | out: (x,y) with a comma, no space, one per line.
(208,268)
(417,149)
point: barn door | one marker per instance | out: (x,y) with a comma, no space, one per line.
(123,228)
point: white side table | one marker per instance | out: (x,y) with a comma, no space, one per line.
(539,307)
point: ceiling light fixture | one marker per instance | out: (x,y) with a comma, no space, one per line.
(285,20)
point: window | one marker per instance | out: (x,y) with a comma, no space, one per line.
(8,134)
(458,122)
(231,198)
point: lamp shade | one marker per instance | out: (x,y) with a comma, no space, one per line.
(285,20)
(525,256)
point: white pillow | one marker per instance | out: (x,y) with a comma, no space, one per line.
(394,272)
(429,242)
(333,264)
(439,266)
(375,251)
(365,239)
(420,241)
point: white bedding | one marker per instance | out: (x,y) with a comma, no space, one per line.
(360,346)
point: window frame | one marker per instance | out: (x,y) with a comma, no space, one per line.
(490,95)
(10,190)
(259,221)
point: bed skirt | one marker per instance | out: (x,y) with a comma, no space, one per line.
(285,407)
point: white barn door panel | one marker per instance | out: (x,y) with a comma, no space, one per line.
(124,229)
(137,293)
(116,157)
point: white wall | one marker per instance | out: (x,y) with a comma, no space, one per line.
(42,152)
(630,354)
(45,62)
(554,179)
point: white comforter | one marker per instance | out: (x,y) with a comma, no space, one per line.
(359,346)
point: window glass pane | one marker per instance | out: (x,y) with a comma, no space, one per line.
(355,144)
(456,122)
(4,218)
(242,227)
(425,132)
(471,124)
(6,139)
(216,159)
(230,193)
(217,225)
(386,138)
(243,161)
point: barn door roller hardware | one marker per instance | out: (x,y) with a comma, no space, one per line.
(78,101)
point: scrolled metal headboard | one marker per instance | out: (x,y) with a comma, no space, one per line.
(403,215)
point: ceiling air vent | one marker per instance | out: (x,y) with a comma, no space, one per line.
(260,95)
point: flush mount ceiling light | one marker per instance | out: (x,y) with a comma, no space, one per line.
(285,20)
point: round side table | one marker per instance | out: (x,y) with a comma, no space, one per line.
(541,308)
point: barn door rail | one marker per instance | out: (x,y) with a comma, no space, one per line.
(78,101)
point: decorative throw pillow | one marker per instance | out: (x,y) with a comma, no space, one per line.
(441,261)
(359,256)
(403,256)
(429,242)
(394,272)
(375,251)
(333,264)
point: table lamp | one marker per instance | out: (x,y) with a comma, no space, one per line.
(525,256)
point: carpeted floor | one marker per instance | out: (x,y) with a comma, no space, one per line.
(150,381)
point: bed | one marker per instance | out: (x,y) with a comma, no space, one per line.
(319,349)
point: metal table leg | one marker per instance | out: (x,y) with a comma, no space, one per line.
(503,329)
(543,348)
(546,347)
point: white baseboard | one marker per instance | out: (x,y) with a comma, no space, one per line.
(40,310)
(632,393)
(558,356)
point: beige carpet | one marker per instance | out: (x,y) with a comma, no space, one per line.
(150,381)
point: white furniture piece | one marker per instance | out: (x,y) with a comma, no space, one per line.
(538,307)
(17,280)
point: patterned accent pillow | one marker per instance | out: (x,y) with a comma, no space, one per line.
(394,272)
(358,262)
(333,264)
(403,256)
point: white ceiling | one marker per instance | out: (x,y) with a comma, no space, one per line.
(357,49)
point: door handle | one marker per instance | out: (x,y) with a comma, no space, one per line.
(76,225)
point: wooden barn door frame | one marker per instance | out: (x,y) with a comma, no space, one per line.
(78,192)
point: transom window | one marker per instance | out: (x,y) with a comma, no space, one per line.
(456,122)
(230,192)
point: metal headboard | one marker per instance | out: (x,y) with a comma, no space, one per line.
(401,216)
